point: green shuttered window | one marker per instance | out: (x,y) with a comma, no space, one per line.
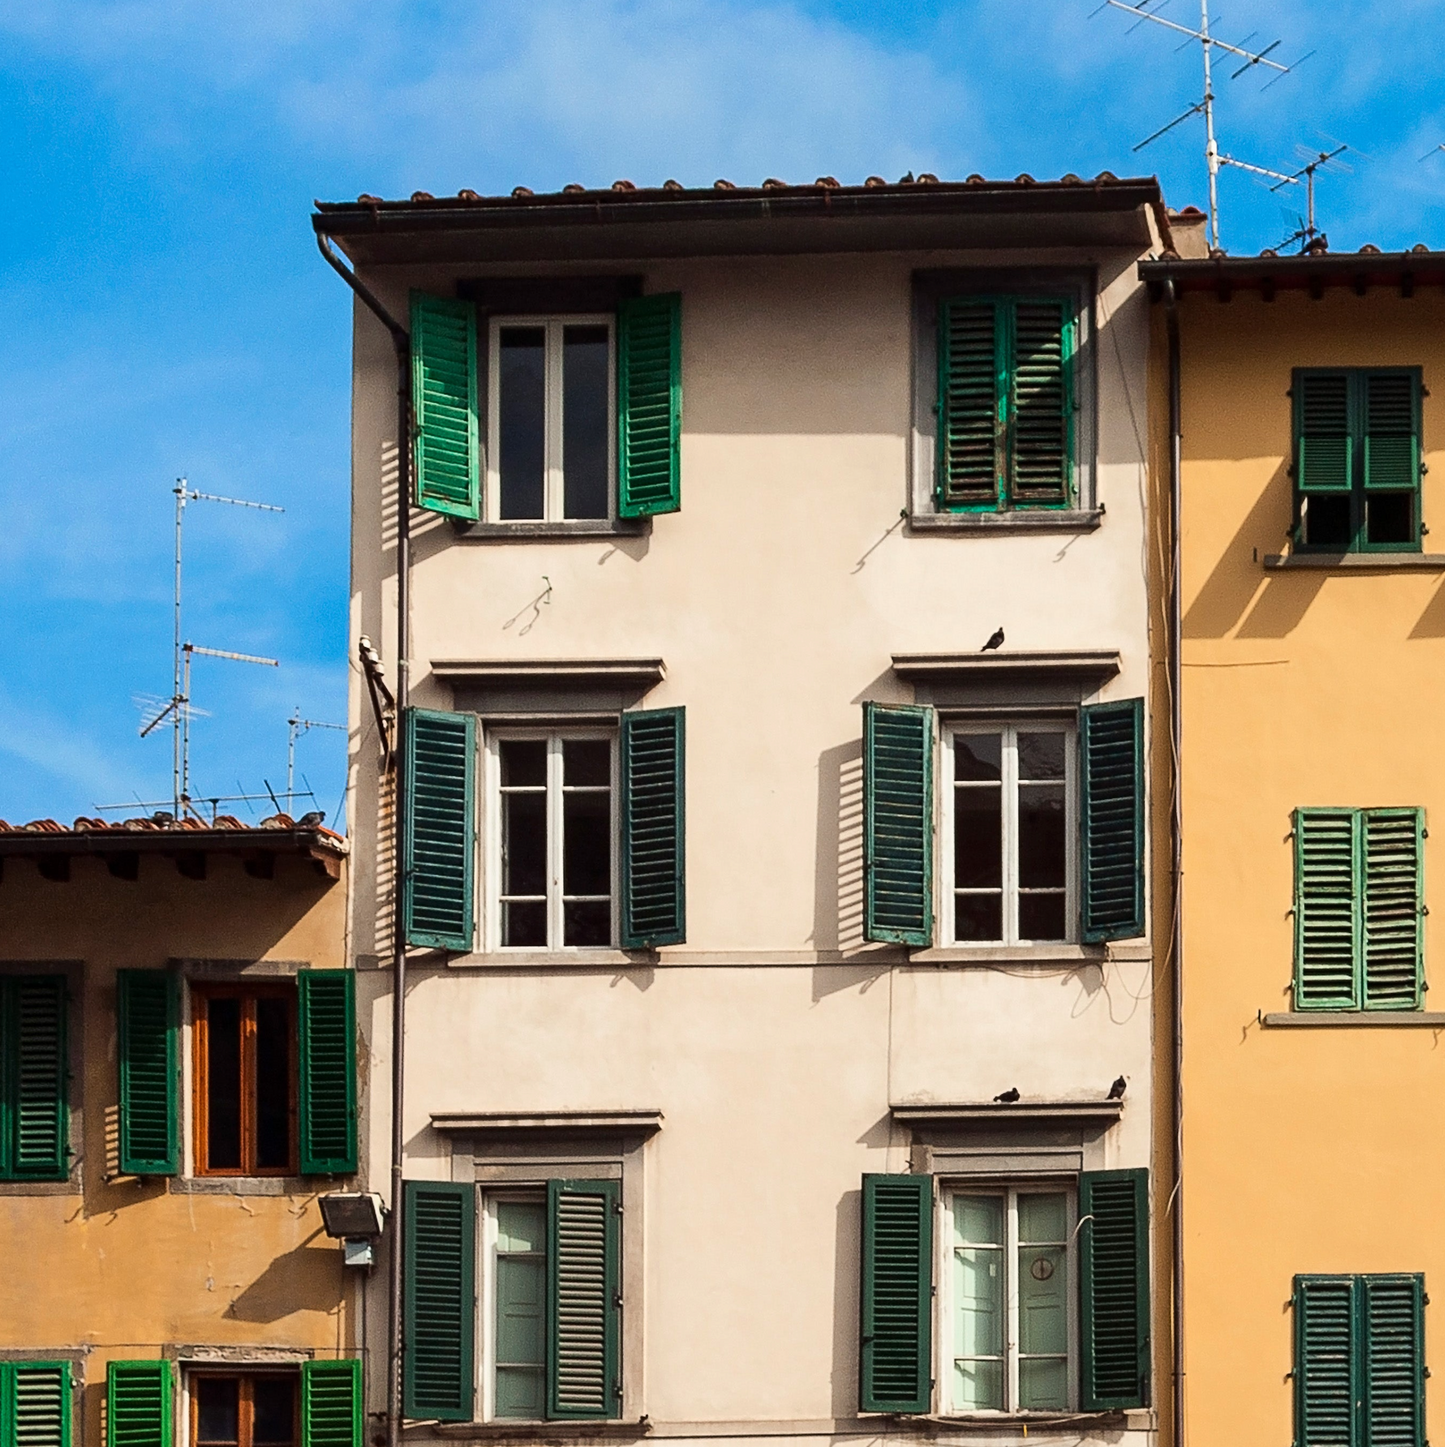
(1114,1288)
(898,823)
(896,1295)
(35,1404)
(1111,747)
(654,903)
(138,1404)
(1005,403)
(440,1300)
(439,752)
(1359,907)
(444,405)
(1359,1361)
(148,1020)
(332,1410)
(327,1075)
(34,1079)
(584,1299)
(649,405)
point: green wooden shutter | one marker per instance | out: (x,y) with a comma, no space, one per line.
(327,1103)
(1114,1288)
(1327,870)
(649,405)
(439,1304)
(34,1076)
(1323,445)
(35,1404)
(584,1299)
(138,1404)
(332,1410)
(654,899)
(444,405)
(895,1331)
(1041,403)
(1391,408)
(1326,1381)
(1392,1318)
(1392,908)
(148,1021)
(972,364)
(898,823)
(1111,750)
(439,752)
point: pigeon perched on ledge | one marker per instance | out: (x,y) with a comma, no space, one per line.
(995,641)
(1117,1089)
(1008,1096)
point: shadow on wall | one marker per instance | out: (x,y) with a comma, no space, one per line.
(1431,623)
(307,1278)
(838,890)
(846,1234)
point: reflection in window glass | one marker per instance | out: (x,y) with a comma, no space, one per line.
(584,421)
(522,418)
(979,1303)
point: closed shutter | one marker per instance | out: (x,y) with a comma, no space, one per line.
(584,1299)
(898,823)
(1111,748)
(1392,1316)
(654,896)
(1323,446)
(444,405)
(1041,403)
(895,1330)
(971,366)
(439,1300)
(1391,406)
(138,1404)
(649,405)
(1114,1288)
(439,840)
(327,1103)
(332,1412)
(1392,907)
(1326,909)
(35,1404)
(148,1016)
(34,1075)
(1326,1386)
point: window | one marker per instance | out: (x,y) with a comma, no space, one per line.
(34,1071)
(516,1342)
(1008,839)
(1357,459)
(1359,1361)
(1359,904)
(251,1410)
(36,1398)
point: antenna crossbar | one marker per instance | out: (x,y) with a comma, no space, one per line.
(1253,57)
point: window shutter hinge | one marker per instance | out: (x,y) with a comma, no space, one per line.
(617,1299)
(1425,1301)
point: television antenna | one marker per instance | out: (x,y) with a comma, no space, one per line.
(296,725)
(1208,44)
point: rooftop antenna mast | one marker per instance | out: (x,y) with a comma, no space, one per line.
(1307,232)
(297,725)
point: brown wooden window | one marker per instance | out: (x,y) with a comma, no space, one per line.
(245,1080)
(255,1410)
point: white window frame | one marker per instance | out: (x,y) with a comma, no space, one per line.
(553,489)
(554,738)
(486,1333)
(1010,1190)
(1010,730)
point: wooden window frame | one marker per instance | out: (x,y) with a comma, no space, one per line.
(201,995)
(245,1409)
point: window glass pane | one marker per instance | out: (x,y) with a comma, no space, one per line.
(273,1086)
(223,1085)
(584,422)
(524,844)
(587,922)
(1043,1218)
(1041,756)
(1327,521)
(977,756)
(1041,836)
(586,843)
(978,1293)
(977,917)
(521,1226)
(524,926)
(1044,1384)
(521,1301)
(522,445)
(524,763)
(978,837)
(218,1414)
(1390,517)
(586,761)
(274,1399)
(1041,917)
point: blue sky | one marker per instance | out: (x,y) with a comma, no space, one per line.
(165,312)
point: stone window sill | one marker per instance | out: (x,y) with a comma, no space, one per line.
(248,1185)
(1357,562)
(1423,1019)
(1060,954)
(1016,521)
(553,532)
(40,1188)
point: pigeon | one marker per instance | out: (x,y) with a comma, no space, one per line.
(996,641)
(1117,1089)
(1008,1096)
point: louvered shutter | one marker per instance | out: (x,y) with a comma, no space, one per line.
(649,405)
(895,1331)
(439,1300)
(34,1074)
(1111,749)
(138,1404)
(1327,851)
(1041,403)
(439,832)
(898,823)
(35,1404)
(1114,1288)
(971,401)
(332,1411)
(444,405)
(1392,908)
(1391,406)
(148,1022)
(654,895)
(1392,1315)
(584,1299)
(1326,1383)
(327,1096)
(1323,446)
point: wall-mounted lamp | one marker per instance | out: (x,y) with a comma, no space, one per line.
(356,1219)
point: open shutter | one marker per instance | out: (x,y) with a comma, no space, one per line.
(1111,748)
(439,753)
(138,1404)
(1391,407)
(971,364)
(898,823)
(35,1404)
(653,829)
(895,1332)
(148,1021)
(1325,1383)
(34,1138)
(584,1299)
(444,405)
(1041,402)
(649,405)
(1323,447)
(327,1103)
(331,1406)
(1391,1324)
(439,1300)
(1114,1288)
(1327,870)
(1392,908)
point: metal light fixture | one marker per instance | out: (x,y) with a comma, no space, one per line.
(356,1219)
